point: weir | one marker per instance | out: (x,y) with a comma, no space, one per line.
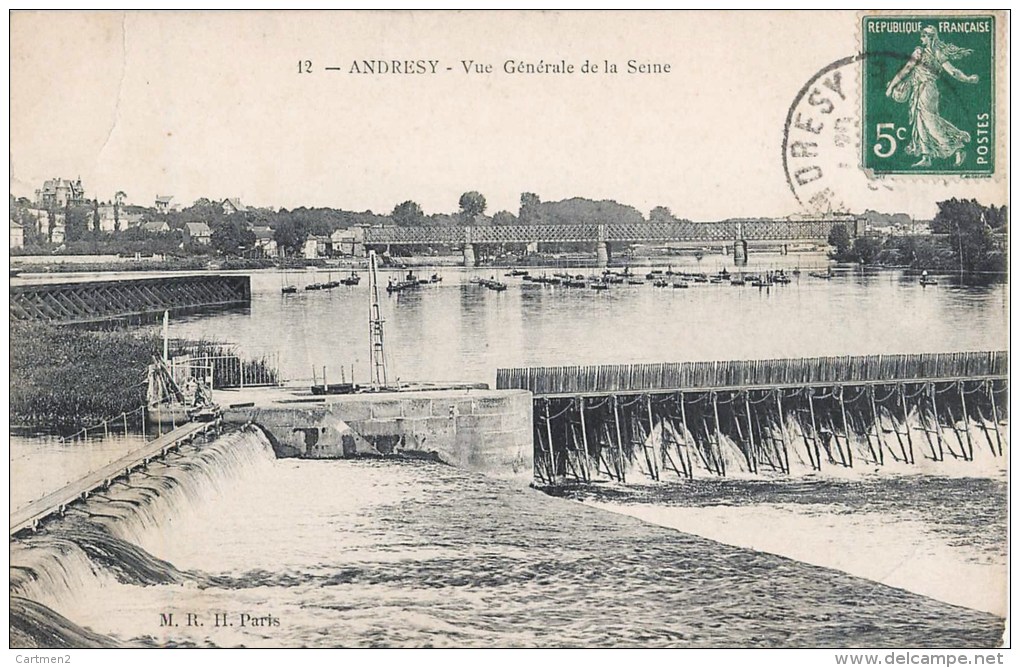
(101,301)
(57,502)
(758,416)
(473,428)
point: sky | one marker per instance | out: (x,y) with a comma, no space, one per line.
(212,104)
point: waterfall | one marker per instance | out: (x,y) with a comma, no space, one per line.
(841,432)
(103,539)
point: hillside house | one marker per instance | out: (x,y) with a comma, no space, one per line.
(156,226)
(58,193)
(17,235)
(264,240)
(233,205)
(197,233)
(163,203)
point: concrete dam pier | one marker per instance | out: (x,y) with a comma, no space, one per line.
(488,431)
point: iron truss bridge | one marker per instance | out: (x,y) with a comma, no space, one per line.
(730,230)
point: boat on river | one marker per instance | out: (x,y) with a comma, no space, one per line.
(286,287)
(353,279)
(490,283)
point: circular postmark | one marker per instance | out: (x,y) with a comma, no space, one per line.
(824,140)
(821,137)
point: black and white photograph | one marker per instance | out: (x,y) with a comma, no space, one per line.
(510,329)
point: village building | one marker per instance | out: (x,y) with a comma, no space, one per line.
(163,203)
(264,240)
(349,241)
(233,205)
(17,235)
(316,247)
(157,226)
(58,193)
(197,234)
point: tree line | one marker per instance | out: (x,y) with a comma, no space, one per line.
(231,232)
(966,236)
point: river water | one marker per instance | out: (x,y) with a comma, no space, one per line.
(459,331)
(420,554)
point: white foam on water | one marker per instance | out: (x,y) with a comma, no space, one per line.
(894,552)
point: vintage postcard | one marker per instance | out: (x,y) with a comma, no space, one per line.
(516,329)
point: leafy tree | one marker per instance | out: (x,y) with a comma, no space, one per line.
(661,214)
(232,238)
(472,205)
(504,218)
(969,229)
(290,235)
(531,209)
(76,222)
(866,250)
(408,214)
(840,240)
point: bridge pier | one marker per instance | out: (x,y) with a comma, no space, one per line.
(602,253)
(469,255)
(740,252)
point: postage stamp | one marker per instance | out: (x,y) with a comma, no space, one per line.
(928,94)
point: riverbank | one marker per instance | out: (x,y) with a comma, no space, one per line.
(63,378)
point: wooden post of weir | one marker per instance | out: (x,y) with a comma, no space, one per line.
(552,452)
(541,461)
(877,423)
(817,463)
(718,436)
(144,416)
(687,434)
(966,421)
(745,448)
(751,451)
(906,426)
(995,416)
(846,430)
(651,428)
(782,427)
(665,450)
(608,440)
(621,470)
(956,432)
(584,436)
(935,419)
(125,423)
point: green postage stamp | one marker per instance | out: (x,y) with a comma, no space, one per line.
(928,94)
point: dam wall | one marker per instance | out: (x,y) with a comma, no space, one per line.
(488,431)
(79,302)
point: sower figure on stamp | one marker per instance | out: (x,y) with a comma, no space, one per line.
(917,83)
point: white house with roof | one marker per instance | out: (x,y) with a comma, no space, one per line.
(163,203)
(58,193)
(157,226)
(233,205)
(197,233)
(17,235)
(348,241)
(264,240)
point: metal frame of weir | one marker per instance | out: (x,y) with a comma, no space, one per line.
(924,410)
(100,301)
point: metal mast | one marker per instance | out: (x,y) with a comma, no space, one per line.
(375,327)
